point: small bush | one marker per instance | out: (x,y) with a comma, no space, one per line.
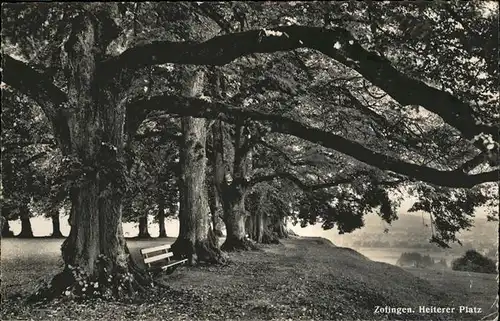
(473,261)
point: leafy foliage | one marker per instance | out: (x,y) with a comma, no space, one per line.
(28,151)
(451,209)
(474,262)
(345,206)
(154,173)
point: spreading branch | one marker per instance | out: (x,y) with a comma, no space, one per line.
(313,187)
(378,70)
(282,153)
(9,146)
(33,158)
(215,110)
(475,161)
(40,88)
(303,186)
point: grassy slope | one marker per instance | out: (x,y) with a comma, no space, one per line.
(303,279)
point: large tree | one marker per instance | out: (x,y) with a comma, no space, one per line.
(196,239)
(75,68)
(87,120)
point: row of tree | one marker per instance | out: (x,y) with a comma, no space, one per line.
(246,114)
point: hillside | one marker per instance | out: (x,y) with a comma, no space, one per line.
(302,279)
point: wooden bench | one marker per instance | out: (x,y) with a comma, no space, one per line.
(157,259)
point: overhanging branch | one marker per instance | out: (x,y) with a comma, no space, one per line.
(40,88)
(303,186)
(214,110)
(337,43)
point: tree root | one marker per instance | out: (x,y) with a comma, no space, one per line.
(235,244)
(110,284)
(201,251)
(270,238)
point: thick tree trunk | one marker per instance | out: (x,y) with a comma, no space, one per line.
(254,227)
(56,225)
(96,259)
(250,227)
(161,218)
(218,171)
(233,191)
(215,214)
(95,254)
(234,219)
(196,240)
(260,225)
(215,205)
(143,226)
(24,216)
(280,227)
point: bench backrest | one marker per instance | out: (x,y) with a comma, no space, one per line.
(157,255)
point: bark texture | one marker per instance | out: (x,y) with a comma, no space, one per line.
(195,240)
(95,254)
(215,197)
(234,218)
(232,186)
(215,213)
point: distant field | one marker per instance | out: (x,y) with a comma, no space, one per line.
(391,255)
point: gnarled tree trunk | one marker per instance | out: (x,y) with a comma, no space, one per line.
(255,226)
(232,192)
(196,240)
(280,227)
(95,254)
(24,216)
(234,219)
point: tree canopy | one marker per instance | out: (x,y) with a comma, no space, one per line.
(319,111)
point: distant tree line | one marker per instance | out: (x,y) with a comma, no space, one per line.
(418,260)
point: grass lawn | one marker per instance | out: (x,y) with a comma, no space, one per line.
(301,279)
(467,288)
